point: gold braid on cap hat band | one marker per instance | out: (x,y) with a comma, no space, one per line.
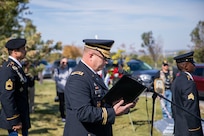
(99,46)
(190,57)
(105,53)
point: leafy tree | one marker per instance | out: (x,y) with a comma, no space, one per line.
(133,56)
(120,58)
(11,21)
(197,37)
(71,51)
(11,17)
(37,49)
(147,59)
(152,47)
(14,25)
(56,55)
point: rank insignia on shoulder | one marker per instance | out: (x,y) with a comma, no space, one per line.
(9,85)
(191,96)
(77,73)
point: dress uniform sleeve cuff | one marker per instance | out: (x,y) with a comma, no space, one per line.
(104,116)
(15,119)
(108,115)
(194,129)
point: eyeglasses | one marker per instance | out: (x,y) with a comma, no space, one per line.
(102,57)
(64,62)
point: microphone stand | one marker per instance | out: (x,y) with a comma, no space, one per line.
(154,96)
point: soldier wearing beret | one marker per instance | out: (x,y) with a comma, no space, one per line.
(13,91)
(86,114)
(185,94)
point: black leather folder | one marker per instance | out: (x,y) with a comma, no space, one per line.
(127,88)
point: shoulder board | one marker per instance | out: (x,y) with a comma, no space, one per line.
(77,73)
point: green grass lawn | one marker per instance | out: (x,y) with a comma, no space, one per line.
(46,121)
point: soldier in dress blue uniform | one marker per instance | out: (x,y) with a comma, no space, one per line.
(86,114)
(13,91)
(185,94)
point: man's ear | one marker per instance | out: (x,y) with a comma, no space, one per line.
(14,51)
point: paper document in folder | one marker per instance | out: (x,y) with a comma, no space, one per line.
(127,88)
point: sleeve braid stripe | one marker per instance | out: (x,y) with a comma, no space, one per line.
(195,129)
(105,116)
(14,116)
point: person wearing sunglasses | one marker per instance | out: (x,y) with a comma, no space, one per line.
(61,74)
(167,77)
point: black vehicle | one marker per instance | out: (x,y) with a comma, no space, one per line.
(143,72)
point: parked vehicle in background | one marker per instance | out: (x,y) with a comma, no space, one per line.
(198,76)
(47,71)
(143,72)
(71,64)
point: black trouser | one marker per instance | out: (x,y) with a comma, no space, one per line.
(61,105)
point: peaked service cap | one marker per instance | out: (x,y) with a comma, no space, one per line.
(103,46)
(187,57)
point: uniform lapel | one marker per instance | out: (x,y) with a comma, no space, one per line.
(99,80)
(94,76)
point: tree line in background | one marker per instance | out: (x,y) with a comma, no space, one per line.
(13,24)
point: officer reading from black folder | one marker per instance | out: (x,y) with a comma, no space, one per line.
(185,94)
(86,114)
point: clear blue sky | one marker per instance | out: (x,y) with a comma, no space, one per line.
(71,21)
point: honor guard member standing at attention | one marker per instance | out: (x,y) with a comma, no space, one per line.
(185,94)
(86,114)
(13,91)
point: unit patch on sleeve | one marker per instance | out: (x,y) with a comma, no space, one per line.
(9,85)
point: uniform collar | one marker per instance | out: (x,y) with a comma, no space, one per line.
(189,75)
(88,67)
(15,60)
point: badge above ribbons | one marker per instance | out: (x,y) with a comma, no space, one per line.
(159,86)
